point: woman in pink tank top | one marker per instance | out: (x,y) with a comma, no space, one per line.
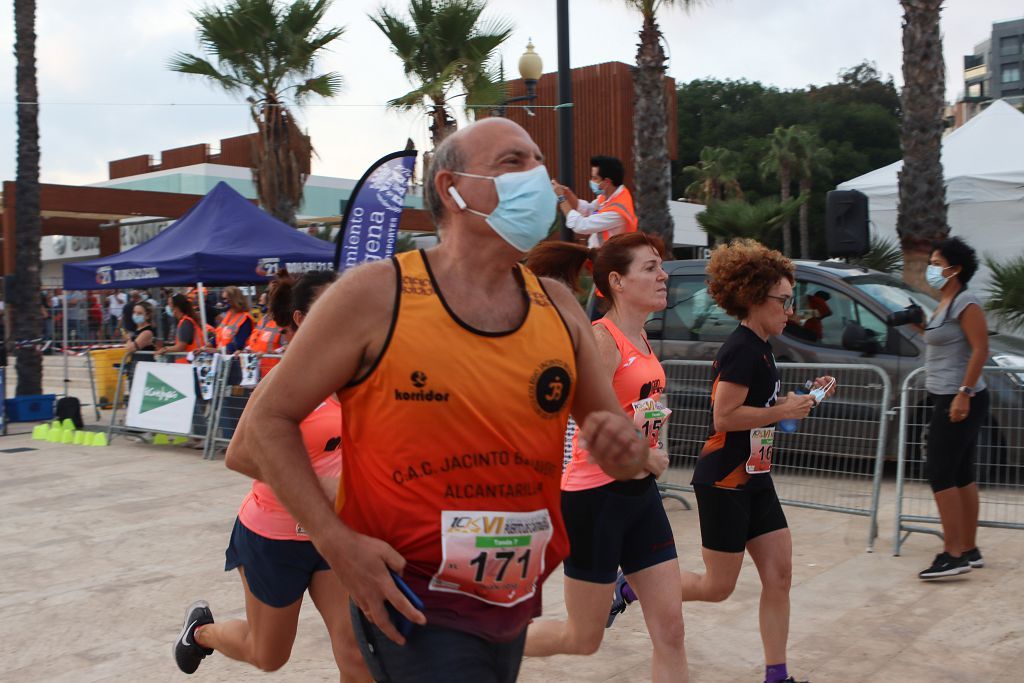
(614,524)
(274,556)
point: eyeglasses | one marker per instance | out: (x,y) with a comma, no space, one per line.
(787,301)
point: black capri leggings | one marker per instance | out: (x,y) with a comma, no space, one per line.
(951,445)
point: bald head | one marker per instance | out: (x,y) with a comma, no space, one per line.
(488,147)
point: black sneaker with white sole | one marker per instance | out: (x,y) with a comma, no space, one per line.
(187,652)
(946,565)
(974,557)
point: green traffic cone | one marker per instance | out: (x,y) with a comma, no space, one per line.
(53,434)
(161,440)
(67,436)
(80,438)
(179,440)
(55,424)
(99,439)
(87,438)
(67,423)
(39,432)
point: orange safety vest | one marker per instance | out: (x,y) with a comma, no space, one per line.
(197,339)
(266,338)
(467,427)
(229,326)
(622,205)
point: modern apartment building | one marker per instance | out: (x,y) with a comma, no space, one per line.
(996,69)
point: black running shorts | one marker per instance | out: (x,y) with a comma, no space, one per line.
(731,517)
(621,524)
(277,572)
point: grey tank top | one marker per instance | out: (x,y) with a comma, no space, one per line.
(947,349)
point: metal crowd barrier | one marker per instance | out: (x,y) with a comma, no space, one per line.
(999,456)
(834,460)
(230,399)
(201,414)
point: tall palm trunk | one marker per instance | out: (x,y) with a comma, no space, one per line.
(650,130)
(23,296)
(281,151)
(784,192)
(922,207)
(441,124)
(805,233)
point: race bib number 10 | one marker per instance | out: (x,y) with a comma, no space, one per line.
(496,557)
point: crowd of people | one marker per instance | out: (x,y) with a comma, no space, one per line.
(443,381)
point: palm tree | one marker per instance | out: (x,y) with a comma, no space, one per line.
(812,161)
(23,295)
(921,217)
(1006,291)
(446,46)
(653,169)
(781,163)
(267,50)
(732,218)
(715,176)
(884,256)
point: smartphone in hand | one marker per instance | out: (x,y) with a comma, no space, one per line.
(399,620)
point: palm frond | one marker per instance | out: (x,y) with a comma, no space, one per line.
(1006,290)
(884,255)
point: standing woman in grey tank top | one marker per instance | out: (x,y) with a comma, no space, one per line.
(956,340)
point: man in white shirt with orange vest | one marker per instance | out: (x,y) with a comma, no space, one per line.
(612,213)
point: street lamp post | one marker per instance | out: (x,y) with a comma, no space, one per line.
(531,66)
(565,142)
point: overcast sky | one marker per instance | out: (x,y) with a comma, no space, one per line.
(105,88)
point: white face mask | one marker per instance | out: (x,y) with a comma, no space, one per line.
(933,275)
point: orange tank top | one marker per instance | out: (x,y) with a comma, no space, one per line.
(453,453)
(638,376)
(261,512)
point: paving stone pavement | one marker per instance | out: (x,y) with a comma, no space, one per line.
(101,549)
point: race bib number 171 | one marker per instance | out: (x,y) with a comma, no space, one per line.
(496,557)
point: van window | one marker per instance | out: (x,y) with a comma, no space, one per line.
(821,315)
(692,315)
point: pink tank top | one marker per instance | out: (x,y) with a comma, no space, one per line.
(261,511)
(638,376)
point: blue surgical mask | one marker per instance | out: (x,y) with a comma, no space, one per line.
(526,206)
(169,311)
(595,188)
(933,275)
(138,319)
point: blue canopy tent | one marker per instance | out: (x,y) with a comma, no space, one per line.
(224,239)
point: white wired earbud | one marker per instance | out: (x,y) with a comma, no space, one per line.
(457,197)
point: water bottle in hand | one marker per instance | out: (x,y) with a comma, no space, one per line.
(789,426)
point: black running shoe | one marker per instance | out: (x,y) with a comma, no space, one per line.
(974,557)
(619,601)
(793,680)
(946,565)
(187,652)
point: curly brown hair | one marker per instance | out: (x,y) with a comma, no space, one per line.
(741,274)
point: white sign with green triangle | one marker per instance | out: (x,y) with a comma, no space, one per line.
(162,398)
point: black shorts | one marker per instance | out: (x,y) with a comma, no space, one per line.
(621,524)
(731,517)
(278,572)
(951,445)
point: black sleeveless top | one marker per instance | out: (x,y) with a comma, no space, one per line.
(137,332)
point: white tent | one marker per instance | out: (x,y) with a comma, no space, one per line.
(983,164)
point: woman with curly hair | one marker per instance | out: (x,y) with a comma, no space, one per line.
(739,508)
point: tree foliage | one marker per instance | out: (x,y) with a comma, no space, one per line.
(714,176)
(727,220)
(1006,291)
(885,255)
(445,46)
(855,118)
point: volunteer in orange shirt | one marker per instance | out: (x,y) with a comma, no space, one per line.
(617,523)
(457,369)
(611,213)
(236,325)
(273,554)
(187,337)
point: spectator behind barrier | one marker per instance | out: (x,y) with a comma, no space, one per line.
(237,324)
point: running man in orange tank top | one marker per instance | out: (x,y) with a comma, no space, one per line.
(457,369)
(610,523)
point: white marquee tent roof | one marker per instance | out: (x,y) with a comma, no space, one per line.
(983,161)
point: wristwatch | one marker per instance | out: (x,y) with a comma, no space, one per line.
(967,390)
(561,198)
